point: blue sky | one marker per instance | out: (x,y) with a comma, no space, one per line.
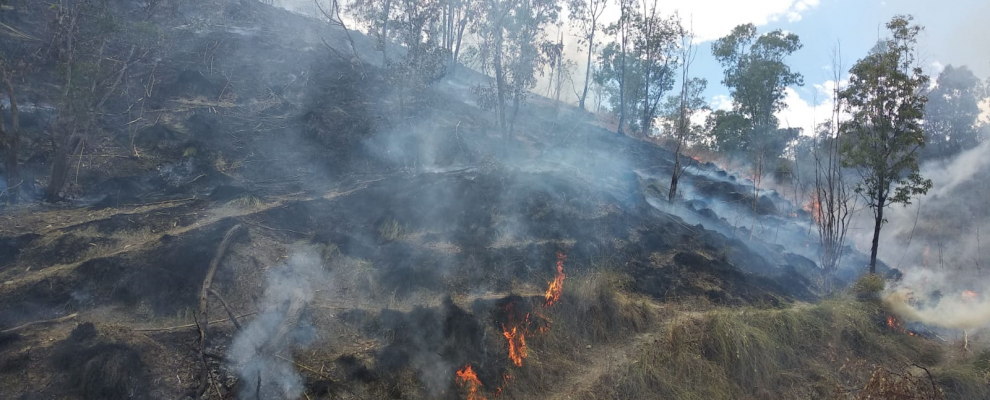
(956,32)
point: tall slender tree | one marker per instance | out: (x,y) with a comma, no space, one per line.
(883,137)
(684,106)
(586,16)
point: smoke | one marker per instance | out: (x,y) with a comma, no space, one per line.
(943,229)
(262,352)
(936,243)
(933,299)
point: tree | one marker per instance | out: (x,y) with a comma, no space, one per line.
(10,141)
(682,107)
(655,41)
(619,77)
(512,34)
(952,113)
(883,136)
(833,200)
(456,15)
(586,16)
(756,75)
(614,65)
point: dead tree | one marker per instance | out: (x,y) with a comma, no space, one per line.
(331,14)
(10,141)
(833,200)
(688,101)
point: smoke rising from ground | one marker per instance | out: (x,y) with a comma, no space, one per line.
(943,229)
(263,350)
(932,298)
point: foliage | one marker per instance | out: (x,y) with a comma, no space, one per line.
(884,134)
(637,78)
(586,16)
(756,75)
(512,34)
(952,112)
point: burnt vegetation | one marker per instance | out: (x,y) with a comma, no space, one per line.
(227,199)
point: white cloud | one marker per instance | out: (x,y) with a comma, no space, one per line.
(798,113)
(730,13)
(721,102)
(806,115)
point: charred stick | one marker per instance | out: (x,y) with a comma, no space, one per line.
(47,321)
(186,326)
(203,297)
(226,308)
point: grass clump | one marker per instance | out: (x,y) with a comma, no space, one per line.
(799,352)
(390,230)
(868,286)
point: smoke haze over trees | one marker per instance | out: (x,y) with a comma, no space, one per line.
(471,199)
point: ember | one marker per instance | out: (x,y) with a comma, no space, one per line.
(894,323)
(556,287)
(468,380)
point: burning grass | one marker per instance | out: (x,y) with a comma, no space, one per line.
(593,310)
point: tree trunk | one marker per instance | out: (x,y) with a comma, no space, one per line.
(388,6)
(622,75)
(60,166)
(460,35)
(876,234)
(500,81)
(11,142)
(673,180)
(587,70)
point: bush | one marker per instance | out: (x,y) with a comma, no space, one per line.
(868,286)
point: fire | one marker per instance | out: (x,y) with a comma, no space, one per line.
(814,207)
(894,323)
(517,344)
(556,287)
(969,296)
(468,380)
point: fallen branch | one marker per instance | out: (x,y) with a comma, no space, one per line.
(203,305)
(226,308)
(187,326)
(45,322)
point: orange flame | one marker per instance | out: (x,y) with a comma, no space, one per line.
(969,295)
(893,322)
(517,343)
(468,380)
(556,287)
(814,207)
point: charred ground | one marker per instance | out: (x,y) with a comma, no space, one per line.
(420,232)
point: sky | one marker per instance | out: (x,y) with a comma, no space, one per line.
(957,32)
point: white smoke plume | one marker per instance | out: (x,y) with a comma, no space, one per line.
(262,353)
(933,299)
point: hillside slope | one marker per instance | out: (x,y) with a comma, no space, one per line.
(330,238)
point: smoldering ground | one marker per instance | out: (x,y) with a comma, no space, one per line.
(262,353)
